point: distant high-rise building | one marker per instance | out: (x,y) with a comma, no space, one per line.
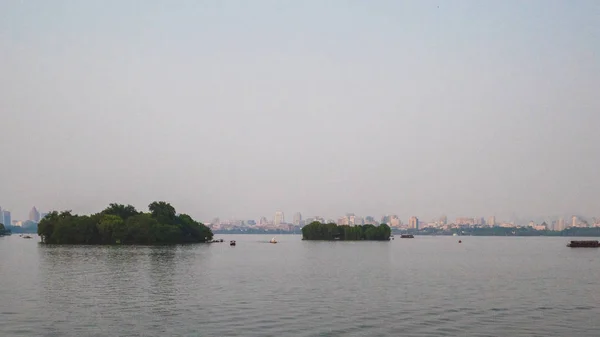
(34,215)
(413,222)
(5,218)
(465,221)
(492,221)
(279,218)
(560,226)
(443,220)
(574,221)
(297,219)
(263,221)
(394,221)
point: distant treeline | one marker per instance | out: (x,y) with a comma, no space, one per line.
(28,227)
(120,224)
(320,231)
(3,230)
(509,231)
(253,231)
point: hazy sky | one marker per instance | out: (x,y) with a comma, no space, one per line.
(237,109)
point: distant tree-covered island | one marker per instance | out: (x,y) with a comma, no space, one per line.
(123,224)
(3,230)
(320,231)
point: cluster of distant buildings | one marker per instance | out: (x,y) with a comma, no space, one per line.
(392,220)
(34,218)
(279,222)
(557,225)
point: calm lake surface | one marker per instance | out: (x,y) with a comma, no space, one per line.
(427,286)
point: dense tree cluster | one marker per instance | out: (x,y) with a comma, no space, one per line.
(3,230)
(331,231)
(120,224)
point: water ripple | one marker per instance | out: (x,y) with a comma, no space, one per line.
(422,287)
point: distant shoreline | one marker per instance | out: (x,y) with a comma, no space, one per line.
(525,234)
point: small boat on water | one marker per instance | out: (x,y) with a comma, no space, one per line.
(27,237)
(232,243)
(584,244)
(407,236)
(273,240)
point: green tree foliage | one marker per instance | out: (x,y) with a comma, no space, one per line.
(319,231)
(3,230)
(163,212)
(119,224)
(122,211)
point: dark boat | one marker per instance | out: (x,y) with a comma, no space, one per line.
(232,243)
(407,236)
(584,244)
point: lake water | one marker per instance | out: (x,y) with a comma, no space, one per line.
(427,286)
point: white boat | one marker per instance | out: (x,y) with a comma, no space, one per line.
(273,240)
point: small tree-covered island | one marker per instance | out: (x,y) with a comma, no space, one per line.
(3,230)
(320,231)
(123,224)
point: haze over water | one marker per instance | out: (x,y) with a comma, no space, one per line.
(241,108)
(427,286)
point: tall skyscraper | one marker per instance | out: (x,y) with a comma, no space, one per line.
(560,225)
(574,221)
(297,219)
(279,219)
(5,218)
(34,215)
(492,221)
(413,222)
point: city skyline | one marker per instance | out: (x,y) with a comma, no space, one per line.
(34,215)
(414,224)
